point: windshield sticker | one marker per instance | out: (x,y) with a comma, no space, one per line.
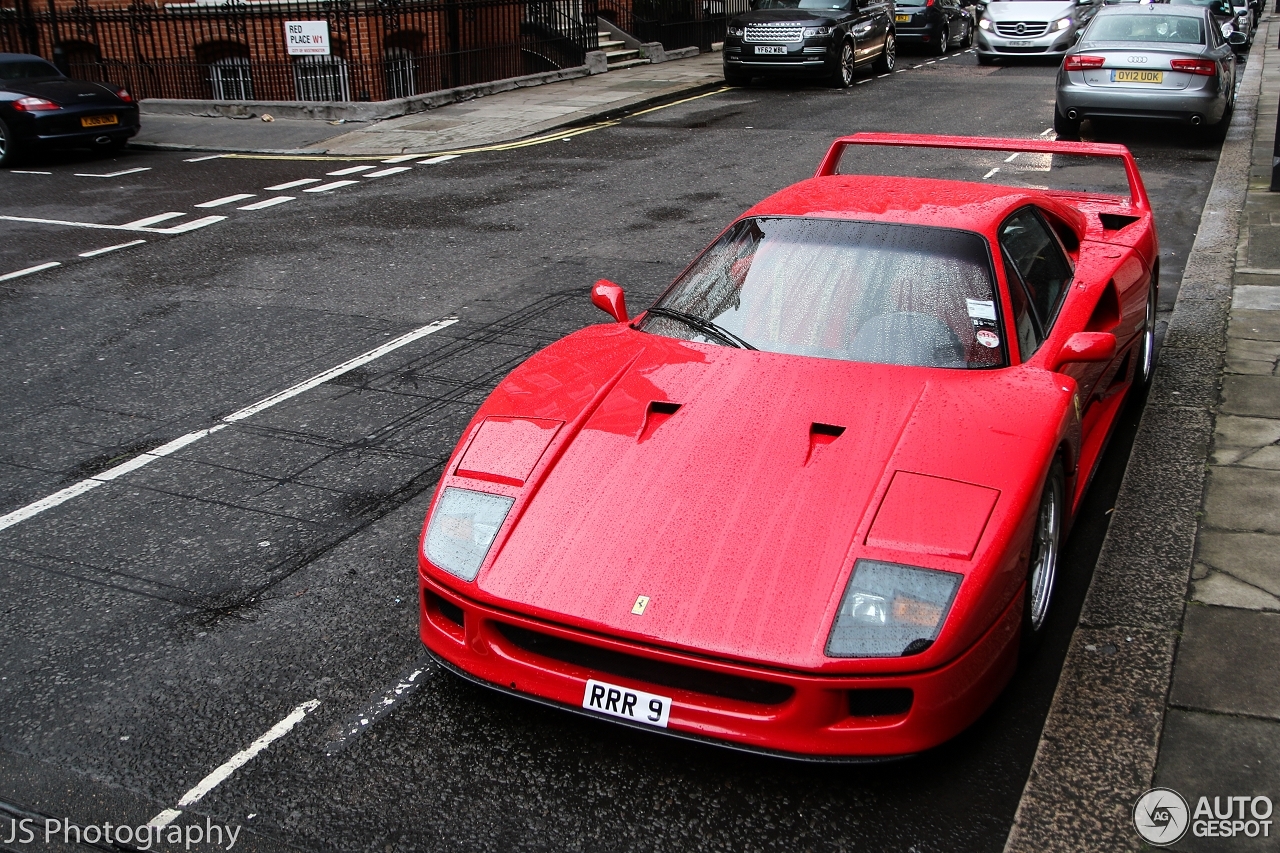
(988,339)
(981,309)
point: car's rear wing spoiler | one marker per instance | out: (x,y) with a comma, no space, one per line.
(1137,191)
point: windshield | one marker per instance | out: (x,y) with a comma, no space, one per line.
(1178,29)
(856,291)
(824,5)
(27,69)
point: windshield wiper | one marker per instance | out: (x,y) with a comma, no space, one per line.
(704,326)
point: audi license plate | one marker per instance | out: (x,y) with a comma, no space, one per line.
(634,705)
(902,19)
(98,121)
(771,49)
(1119,76)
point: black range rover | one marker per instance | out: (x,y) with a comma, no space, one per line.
(815,38)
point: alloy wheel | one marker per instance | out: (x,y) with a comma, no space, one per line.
(848,62)
(1045,552)
(1147,364)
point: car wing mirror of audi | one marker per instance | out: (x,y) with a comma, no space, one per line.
(610,299)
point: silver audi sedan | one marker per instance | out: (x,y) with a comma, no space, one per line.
(1149,62)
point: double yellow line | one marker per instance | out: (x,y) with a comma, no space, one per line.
(554,136)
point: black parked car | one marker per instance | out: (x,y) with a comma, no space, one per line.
(937,24)
(814,38)
(40,107)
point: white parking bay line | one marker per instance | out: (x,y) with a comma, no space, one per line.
(234,763)
(402,158)
(219,202)
(25,172)
(292,184)
(268,202)
(115,174)
(105,249)
(350,170)
(23,513)
(443,158)
(191,226)
(332,185)
(384,703)
(992,172)
(382,173)
(206,157)
(30,270)
(152,220)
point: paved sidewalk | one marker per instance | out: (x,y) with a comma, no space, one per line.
(1222,728)
(493,119)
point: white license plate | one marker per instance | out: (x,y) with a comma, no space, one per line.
(628,704)
(1021,44)
(771,49)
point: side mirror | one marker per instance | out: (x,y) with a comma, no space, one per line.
(609,298)
(1087,347)
(1237,38)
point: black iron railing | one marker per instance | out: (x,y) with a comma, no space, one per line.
(675,23)
(379,49)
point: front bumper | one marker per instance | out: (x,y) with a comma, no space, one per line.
(1053,43)
(738,705)
(815,57)
(1181,105)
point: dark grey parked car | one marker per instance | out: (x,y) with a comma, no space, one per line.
(1148,62)
(827,39)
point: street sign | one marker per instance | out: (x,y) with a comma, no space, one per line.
(307,38)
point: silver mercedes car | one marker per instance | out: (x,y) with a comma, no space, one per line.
(1148,62)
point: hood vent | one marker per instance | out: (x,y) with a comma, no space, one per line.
(820,435)
(655,416)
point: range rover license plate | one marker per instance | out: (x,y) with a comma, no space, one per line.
(98,121)
(634,705)
(1119,76)
(771,49)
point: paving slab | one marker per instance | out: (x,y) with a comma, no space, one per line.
(1242,499)
(1208,675)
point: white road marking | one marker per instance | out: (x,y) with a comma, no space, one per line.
(152,220)
(103,251)
(115,174)
(992,172)
(332,185)
(408,682)
(881,76)
(860,82)
(219,202)
(350,170)
(1046,131)
(443,158)
(931,61)
(234,763)
(74,224)
(202,159)
(265,203)
(291,184)
(57,498)
(25,172)
(1012,157)
(190,226)
(29,270)
(382,173)
(402,158)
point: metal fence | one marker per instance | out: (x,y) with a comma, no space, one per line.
(379,49)
(675,23)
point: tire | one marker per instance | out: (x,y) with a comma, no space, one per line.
(1146,369)
(1042,563)
(944,41)
(1066,128)
(8,146)
(736,78)
(845,67)
(888,58)
(967,41)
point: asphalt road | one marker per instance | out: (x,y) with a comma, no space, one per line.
(153,627)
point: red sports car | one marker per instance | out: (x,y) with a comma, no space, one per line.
(811,501)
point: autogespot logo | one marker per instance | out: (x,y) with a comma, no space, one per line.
(1161,816)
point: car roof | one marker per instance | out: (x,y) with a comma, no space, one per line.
(24,57)
(914,201)
(1153,8)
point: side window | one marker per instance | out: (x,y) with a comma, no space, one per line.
(1025,325)
(1030,245)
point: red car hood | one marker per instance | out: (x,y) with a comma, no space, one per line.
(735,515)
